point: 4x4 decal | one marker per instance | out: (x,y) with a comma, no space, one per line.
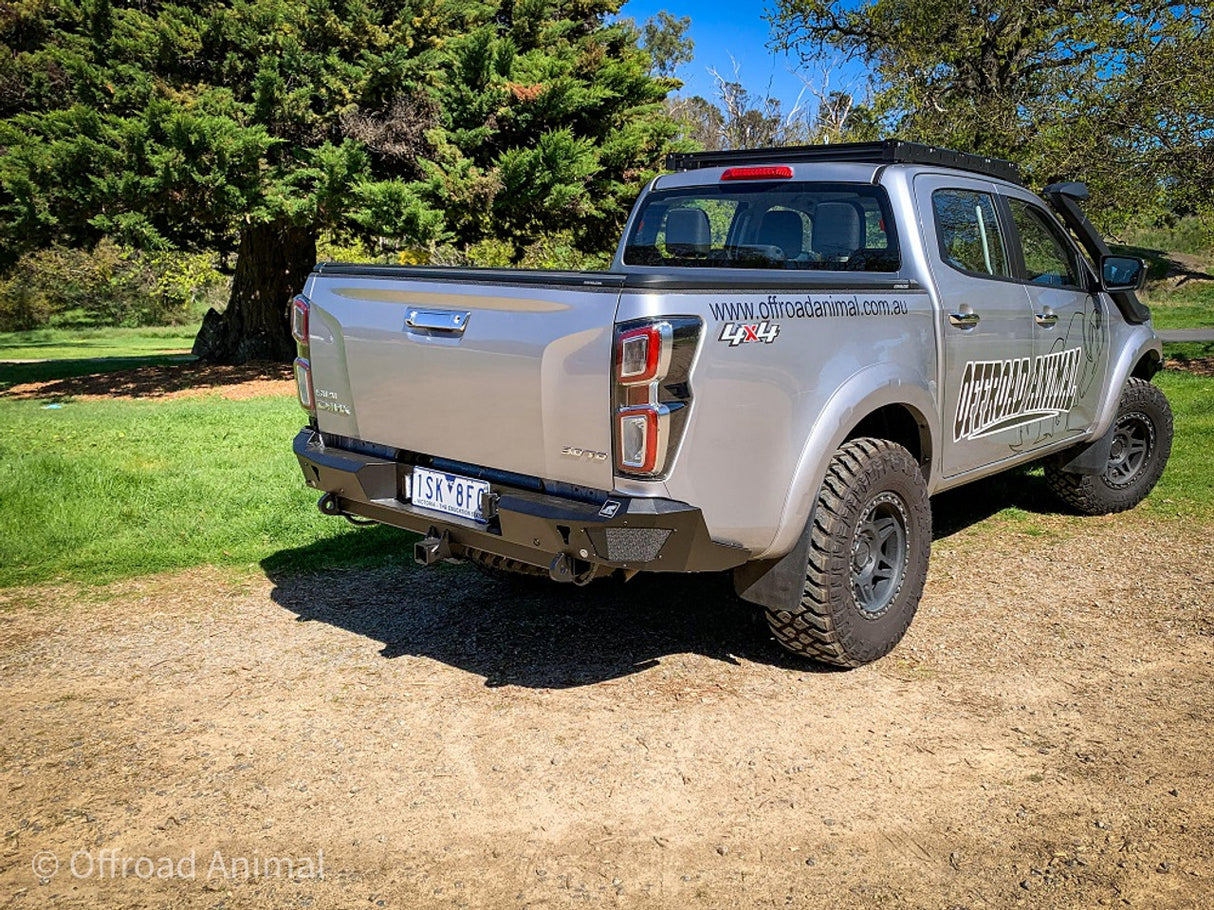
(736,333)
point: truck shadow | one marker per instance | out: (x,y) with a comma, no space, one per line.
(538,634)
(532,634)
(1020,488)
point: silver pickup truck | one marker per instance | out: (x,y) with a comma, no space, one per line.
(792,350)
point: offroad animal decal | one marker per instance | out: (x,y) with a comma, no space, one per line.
(998,395)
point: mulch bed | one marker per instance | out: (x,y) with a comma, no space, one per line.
(1201,366)
(177,380)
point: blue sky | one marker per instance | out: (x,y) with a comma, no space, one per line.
(720,29)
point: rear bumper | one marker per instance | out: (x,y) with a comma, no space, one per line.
(643,533)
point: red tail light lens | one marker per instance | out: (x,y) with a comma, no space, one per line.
(303,384)
(652,393)
(637,355)
(770,172)
(299,319)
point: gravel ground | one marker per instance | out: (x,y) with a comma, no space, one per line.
(409,738)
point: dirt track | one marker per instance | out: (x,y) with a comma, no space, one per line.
(1041,739)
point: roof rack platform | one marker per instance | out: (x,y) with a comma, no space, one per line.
(887,151)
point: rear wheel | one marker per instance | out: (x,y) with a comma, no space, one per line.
(1142,442)
(868,553)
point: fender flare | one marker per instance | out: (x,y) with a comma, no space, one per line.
(1092,456)
(863,393)
(776,579)
(1121,370)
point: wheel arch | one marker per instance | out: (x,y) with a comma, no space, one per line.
(1141,356)
(1149,363)
(873,402)
(900,423)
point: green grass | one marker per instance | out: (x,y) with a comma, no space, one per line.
(1190,306)
(1187,486)
(80,343)
(62,353)
(12,374)
(1190,235)
(98,491)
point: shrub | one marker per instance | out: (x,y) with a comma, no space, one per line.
(108,285)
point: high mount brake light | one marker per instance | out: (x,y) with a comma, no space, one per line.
(766,172)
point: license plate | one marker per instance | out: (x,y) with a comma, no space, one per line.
(448,493)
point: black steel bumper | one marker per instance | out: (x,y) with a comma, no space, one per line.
(617,532)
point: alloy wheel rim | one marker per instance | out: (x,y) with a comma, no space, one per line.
(879,554)
(1133,440)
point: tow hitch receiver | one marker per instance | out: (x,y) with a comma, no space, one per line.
(566,568)
(431,549)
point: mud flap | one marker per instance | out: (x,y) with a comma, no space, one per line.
(1092,458)
(777,584)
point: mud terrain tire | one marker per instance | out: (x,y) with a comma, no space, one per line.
(868,552)
(1142,442)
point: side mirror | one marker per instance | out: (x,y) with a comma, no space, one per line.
(1122,273)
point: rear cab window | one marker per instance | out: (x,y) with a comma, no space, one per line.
(792,226)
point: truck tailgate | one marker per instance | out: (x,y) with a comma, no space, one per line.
(502,370)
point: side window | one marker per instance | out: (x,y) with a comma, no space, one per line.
(1048,258)
(968,229)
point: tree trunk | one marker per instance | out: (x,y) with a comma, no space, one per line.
(272,264)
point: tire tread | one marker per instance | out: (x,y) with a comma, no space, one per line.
(811,629)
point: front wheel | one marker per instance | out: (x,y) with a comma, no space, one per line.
(1142,442)
(868,552)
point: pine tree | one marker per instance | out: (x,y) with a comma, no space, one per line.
(252,126)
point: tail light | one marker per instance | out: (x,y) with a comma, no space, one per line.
(299,319)
(639,353)
(653,359)
(300,306)
(303,384)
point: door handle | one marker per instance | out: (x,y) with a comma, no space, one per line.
(963,320)
(1046,319)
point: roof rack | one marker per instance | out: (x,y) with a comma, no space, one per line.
(887,151)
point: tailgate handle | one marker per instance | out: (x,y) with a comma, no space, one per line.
(437,320)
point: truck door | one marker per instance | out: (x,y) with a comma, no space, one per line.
(986,322)
(1070,322)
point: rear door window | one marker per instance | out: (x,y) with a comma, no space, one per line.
(968,231)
